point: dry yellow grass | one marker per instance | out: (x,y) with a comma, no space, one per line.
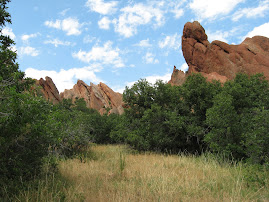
(118,175)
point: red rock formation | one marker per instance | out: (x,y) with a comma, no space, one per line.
(49,90)
(221,61)
(97,97)
(178,77)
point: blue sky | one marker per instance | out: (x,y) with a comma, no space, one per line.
(118,42)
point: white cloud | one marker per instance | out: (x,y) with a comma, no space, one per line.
(144,43)
(184,67)
(218,35)
(13,48)
(104,23)
(57,42)
(63,13)
(171,42)
(28,50)
(223,35)
(151,79)
(69,25)
(139,14)
(154,78)
(175,7)
(259,11)
(102,7)
(90,39)
(149,58)
(178,12)
(211,9)
(105,55)
(8,32)
(26,37)
(57,24)
(262,30)
(65,79)
(119,89)
(151,13)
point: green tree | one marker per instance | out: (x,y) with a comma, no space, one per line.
(10,73)
(23,140)
(256,138)
(154,118)
(197,95)
(223,119)
(238,119)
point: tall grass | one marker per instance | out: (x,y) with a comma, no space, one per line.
(117,174)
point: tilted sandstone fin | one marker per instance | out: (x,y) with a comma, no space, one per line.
(97,97)
(49,90)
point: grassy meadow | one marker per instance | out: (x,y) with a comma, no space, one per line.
(117,173)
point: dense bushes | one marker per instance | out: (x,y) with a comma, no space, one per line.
(167,118)
(231,118)
(238,119)
(33,130)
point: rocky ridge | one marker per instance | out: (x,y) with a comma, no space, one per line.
(49,90)
(99,97)
(219,60)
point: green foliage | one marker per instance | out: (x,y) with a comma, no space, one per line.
(167,118)
(238,119)
(231,119)
(22,144)
(223,119)
(33,130)
(197,95)
(151,120)
(255,139)
(23,139)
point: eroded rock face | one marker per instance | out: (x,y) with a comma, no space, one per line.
(221,61)
(97,97)
(49,90)
(178,77)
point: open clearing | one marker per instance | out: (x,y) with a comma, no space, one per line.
(116,173)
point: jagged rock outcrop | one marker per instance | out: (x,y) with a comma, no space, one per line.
(97,97)
(221,61)
(178,77)
(49,90)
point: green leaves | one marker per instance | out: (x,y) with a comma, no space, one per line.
(238,120)
(229,118)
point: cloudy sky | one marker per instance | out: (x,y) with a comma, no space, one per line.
(121,41)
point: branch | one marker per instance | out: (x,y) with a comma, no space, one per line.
(6,83)
(4,114)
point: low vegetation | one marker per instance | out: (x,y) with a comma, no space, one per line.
(117,173)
